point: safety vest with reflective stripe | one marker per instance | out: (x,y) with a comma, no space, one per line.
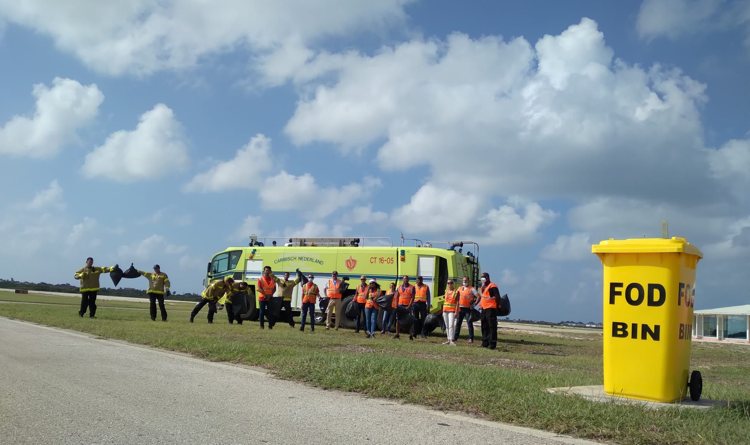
(451,300)
(488,301)
(266,287)
(372,296)
(334,289)
(405,295)
(362,290)
(421,293)
(310,293)
(466,296)
(89,277)
(215,290)
(158,283)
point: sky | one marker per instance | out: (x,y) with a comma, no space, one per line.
(165,131)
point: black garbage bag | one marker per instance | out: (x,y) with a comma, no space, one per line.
(116,274)
(384,301)
(239,303)
(504,306)
(352,309)
(404,318)
(432,322)
(302,278)
(476,313)
(131,272)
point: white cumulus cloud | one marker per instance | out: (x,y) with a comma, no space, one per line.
(251,225)
(553,119)
(433,209)
(145,36)
(245,171)
(151,248)
(155,148)
(572,247)
(82,232)
(51,197)
(61,110)
(516,222)
(285,191)
(365,215)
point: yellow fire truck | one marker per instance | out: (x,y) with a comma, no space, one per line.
(351,257)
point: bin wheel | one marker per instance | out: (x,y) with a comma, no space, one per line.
(695,386)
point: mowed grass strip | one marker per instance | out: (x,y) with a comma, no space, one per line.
(507,385)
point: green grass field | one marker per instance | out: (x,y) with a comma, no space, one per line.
(506,385)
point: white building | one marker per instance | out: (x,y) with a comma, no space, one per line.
(724,323)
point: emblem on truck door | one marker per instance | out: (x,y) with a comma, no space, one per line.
(350,263)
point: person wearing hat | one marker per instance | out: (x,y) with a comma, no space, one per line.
(210,296)
(421,303)
(310,293)
(371,308)
(360,298)
(89,285)
(490,301)
(158,287)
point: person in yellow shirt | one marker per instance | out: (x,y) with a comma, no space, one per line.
(286,287)
(234,301)
(158,287)
(210,296)
(89,285)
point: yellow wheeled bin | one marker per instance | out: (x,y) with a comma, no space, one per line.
(648,297)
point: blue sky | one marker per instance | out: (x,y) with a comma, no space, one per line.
(165,131)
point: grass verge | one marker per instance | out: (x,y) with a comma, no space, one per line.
(506,385)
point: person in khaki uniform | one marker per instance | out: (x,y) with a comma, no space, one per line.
(158,287)
(334,292)
(286,288)
(89,285)
(210,296)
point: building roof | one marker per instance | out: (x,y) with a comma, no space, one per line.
(731,310)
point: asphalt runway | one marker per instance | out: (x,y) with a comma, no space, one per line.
(63,387)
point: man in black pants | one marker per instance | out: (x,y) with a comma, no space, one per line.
(235,302)
(490,301)
(419,308)
(89,282)
(210,296)
(158,286)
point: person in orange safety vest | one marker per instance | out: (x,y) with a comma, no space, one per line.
(265,289)
(333,291)
(490,301)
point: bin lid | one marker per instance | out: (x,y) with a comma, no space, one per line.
(647,245)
